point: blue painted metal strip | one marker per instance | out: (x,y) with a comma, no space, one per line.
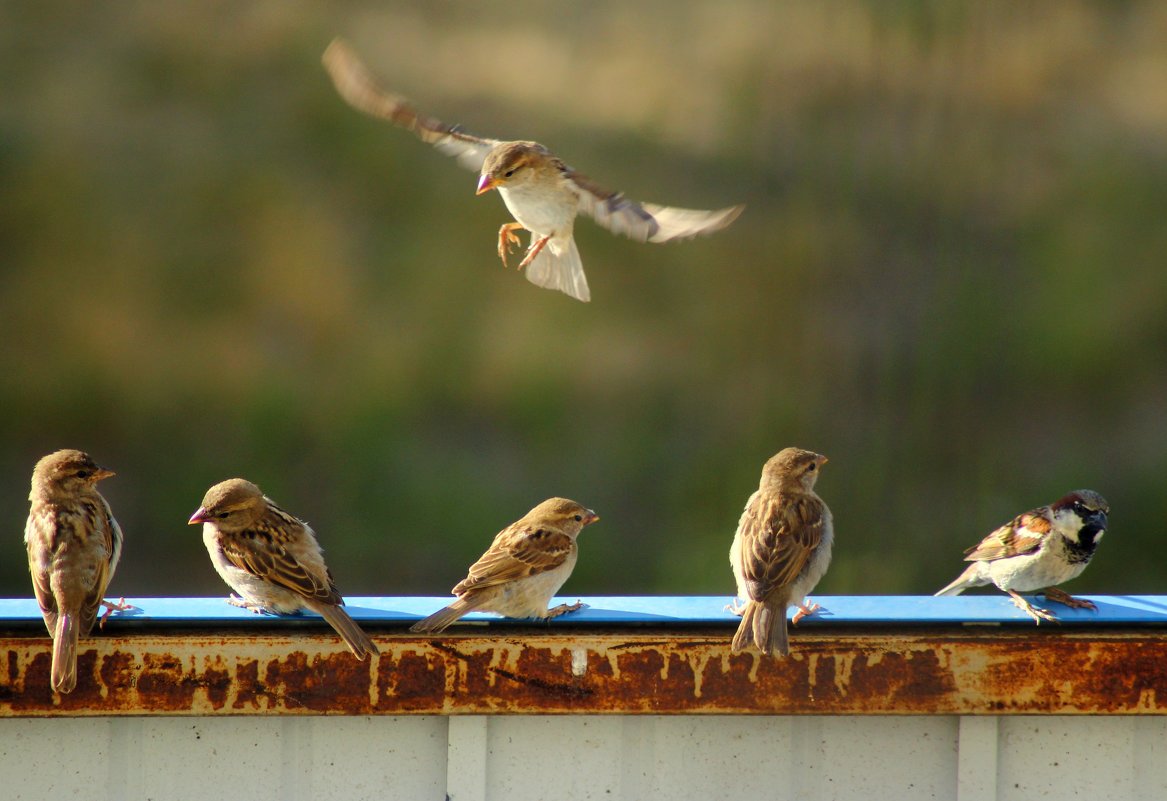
(851,610)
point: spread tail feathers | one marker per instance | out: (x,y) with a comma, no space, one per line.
(352,634)
(439,621)
(558,267)
(765,629)
(64,676)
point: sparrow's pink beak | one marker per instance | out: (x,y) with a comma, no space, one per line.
(200,516)
(822,460)
(485,184)
(102,473)
(590,517)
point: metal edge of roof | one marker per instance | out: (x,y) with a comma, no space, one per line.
(665,611)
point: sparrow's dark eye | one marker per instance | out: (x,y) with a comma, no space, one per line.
(510,172)
(578,518)
(82,474)
(811,467)
(223,515)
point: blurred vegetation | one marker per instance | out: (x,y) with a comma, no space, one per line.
(949,279)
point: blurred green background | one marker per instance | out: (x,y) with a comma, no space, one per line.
(949,278)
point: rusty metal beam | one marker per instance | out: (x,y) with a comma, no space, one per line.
(638,671)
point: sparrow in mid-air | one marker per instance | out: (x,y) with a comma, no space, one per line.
(1037,550)
(272,559)
(74,545)
(780,551)
(542,193)
(522,570)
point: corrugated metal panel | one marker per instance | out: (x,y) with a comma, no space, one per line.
(534,758)
(655,660)
(257,759)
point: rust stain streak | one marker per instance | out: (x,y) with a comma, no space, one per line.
(538,683)
(942,671)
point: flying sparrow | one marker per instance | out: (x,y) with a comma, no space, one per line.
(272,559)
(1036,550)
(524,567)
(73,545)
(542,193)
(780,551)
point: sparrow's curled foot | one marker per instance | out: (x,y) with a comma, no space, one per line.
(805,609)
(563,609)
(119,605)
(1036,612)
(1064,598)
(506,238)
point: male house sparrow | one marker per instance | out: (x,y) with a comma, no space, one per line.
(272,559)
(780,551)
(1037,550)
(524,567)
(542,193)
(74,545)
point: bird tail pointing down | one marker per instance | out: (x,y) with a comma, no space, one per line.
(352,634)
(558,266)
(64,675)
(762,627)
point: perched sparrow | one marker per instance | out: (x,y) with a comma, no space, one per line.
(524,567)
(781,550)
(272,559)
(542,193)
(1037,550)
(73,549)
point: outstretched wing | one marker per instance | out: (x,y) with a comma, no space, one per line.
(358,88)
(645,222)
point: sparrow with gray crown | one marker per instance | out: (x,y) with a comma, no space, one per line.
(74,544)
(781,550)
(522,570)
(1037,550)
(542,192)
(272,559)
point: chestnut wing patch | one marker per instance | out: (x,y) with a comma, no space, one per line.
(1021,536)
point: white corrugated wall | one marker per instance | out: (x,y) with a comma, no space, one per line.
(614,758)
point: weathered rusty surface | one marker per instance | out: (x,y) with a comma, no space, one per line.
(984,671)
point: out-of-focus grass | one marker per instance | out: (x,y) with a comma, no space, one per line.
(949,279)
